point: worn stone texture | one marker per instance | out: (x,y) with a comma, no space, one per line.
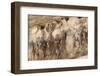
(57,37)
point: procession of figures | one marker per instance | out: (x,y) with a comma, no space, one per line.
(57,37)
